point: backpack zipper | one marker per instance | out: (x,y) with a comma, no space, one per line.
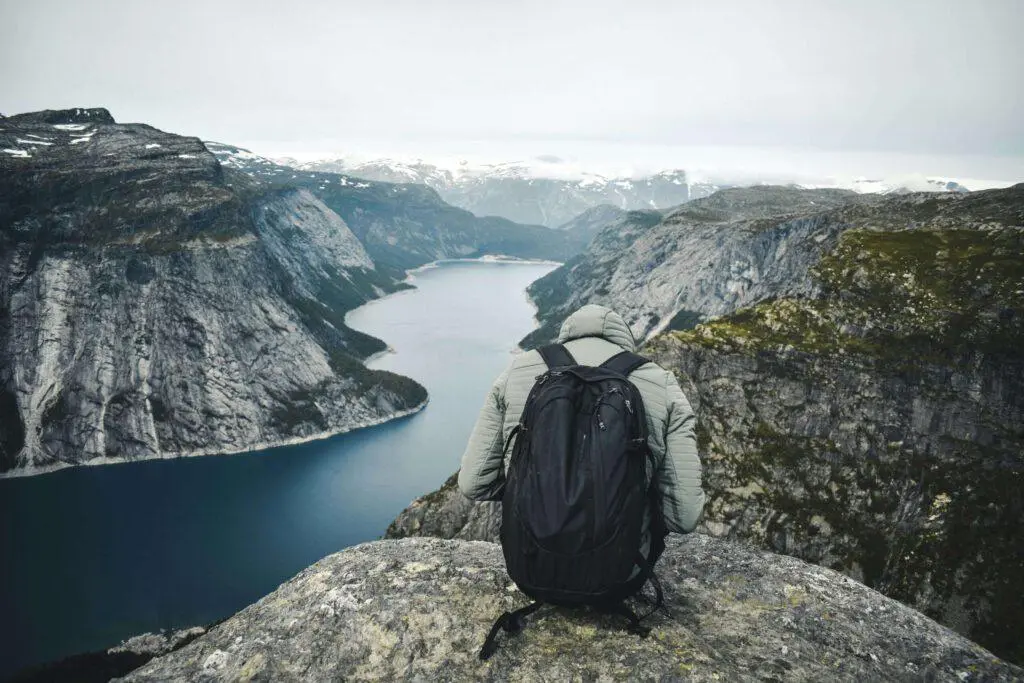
(597,471)
(544,377)
(601,400)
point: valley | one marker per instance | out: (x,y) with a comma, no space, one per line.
(157,303)
(853,359)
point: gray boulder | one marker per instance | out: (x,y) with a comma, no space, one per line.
(446,513)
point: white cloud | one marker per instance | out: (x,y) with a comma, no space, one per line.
(923,76)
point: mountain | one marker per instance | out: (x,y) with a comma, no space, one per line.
(156,304)
(407,225)
(552,192)
(857,374)
(705,258)
(592,221)
(384,170)
(876,426)
(419,608)
(518,193)
(553,202)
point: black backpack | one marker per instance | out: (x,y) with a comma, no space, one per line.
(576,492)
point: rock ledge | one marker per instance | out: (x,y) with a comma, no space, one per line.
(418,608)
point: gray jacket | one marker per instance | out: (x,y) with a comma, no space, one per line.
(593,334)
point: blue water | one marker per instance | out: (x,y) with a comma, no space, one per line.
(92,555)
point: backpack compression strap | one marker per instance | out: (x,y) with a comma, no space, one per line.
(624,363)
(556,356)
(511,622)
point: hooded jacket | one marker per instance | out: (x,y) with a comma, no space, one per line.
(593,334)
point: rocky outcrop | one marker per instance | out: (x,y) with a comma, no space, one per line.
(406,225)
(877,428)
(908,480)
(592,221)
(111,663)
(446,513)
(872,425)
(706,258)
(418,609)
(713,256)
(153,304)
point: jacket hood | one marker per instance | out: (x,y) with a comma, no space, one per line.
(597,321)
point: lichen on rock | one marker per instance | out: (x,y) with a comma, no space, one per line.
(446,513)
(418,609)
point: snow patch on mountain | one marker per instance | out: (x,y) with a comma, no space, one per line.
(553,190)
(911,183)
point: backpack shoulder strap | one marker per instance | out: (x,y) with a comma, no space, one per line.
(556,356)
(624,363)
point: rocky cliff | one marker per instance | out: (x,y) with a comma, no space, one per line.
(446,513)
(705,258)
(154,304)
(878,428)
(407,225)
(418,609)
(873,423)
(592,221)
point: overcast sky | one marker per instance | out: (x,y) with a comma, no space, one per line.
(917,77)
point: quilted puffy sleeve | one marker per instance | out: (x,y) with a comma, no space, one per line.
(482,476)
(679,478)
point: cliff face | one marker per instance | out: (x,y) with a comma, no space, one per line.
(705,258)
(877,428)
(153,304)
(592,221)
(418,609)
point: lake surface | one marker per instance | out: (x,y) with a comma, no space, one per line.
(92,555)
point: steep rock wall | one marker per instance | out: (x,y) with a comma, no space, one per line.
(154,305)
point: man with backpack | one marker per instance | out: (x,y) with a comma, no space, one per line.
(591,450)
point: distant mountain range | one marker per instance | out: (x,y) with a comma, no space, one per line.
(516,192)
(553,193)
(903,185)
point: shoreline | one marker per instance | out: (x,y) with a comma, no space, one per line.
(33,471)
(266,445)
(377,355)
(410,278)
(263,446)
